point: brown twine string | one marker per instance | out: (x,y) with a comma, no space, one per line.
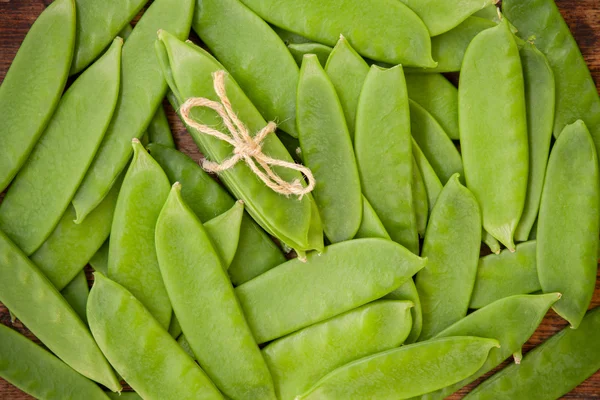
(245,147)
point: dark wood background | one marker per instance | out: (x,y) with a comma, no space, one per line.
(583,16)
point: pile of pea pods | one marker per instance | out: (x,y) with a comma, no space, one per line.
(371,286)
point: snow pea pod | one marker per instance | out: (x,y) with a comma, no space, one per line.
(256,252)
(383,152)
(299,360)
(224,232)
(143,88)
(420,200)
(408,291)
(99,260)
(490,242)
(124,396)
(493,130)
(370,225)
(34,84)
(567,242)
(289,37)
(144,354)
(406,371)
(205,304)
(299,50)
(489,12)
(432,183)
(550,370)
(45,185)
(327,151)
(39,373)
(159,130)
(294,221)
(452,244)
(372,28)
(296,294)
(48,315)
(76,294)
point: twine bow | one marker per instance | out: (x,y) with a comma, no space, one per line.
(245,147)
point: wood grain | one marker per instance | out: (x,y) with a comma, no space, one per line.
(583,16)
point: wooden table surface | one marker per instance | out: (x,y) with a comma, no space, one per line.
(583,16)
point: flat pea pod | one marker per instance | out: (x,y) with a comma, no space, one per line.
(289,37)
(511,321)
(299,360)
(490,242)
(144,354)
(76,293)
(327,151)
(185,345)
(540,21)
(224,232)
(34,84)
(347,71)
(44,187)
(419,193)
(452,244)
(408,291)
(189,70)
(298,294)
(205,304)
(370,225)
(406,371)
(159,130)
(568,225)
(256,252)
(373,28)
(299,50)
(142,89)
(383,152)
(552,369)
(540,102)
(438,96)
(433,185)
(48,315)
(132,260)
(489,12)
(39,373)
(93,33)
(99,260)
(124,396)
(493,130)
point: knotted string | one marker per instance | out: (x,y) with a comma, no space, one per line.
(245,147)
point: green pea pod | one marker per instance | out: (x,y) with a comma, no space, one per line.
(289,37)
(576,93)
(185,345)
(370,225)
(490,242)
(292,145)
(299,360)
(408,291)
(511,320)
(438,96)
(493,130)
(347,71)
(159,130)
(224,232)
(433,185)
(48,315)
(189,70)
(364,269)
(419,193)
(383,152)
(256,252)
(506,274)
(406,371)
(550,370)
(124,396)
(299,50)
(126,31)
(143,88)
(145,355)
(44,187)
(231,31)
(327,151)
(175,328)
(205,304)
(76,294)
(372,28)
(452,244)
(489,12)
(99,260)
(568,228)
(34,84)
(39,373)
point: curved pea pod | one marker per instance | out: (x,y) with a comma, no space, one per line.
(490,241)
(511,321)
(506,274)
(408,291)
(99,260)
(205,304)
(256,252)
(299,50)
(327,151)
(34,84)
(39,373)
(568,228)
(124,396)
(32,298)
(224,232)
(159,130)
(552,369)
(76,293)
(143,88)
(44,187)
(294,221)
(433,185)
(493,130)
(452,244)
(289,37)
(384,155)
(438,96)
(419,193)
(345,276)
(406,371)
(370,225)
(132,256)
(489,12)
(299,360)
(372,28)
(144,354)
